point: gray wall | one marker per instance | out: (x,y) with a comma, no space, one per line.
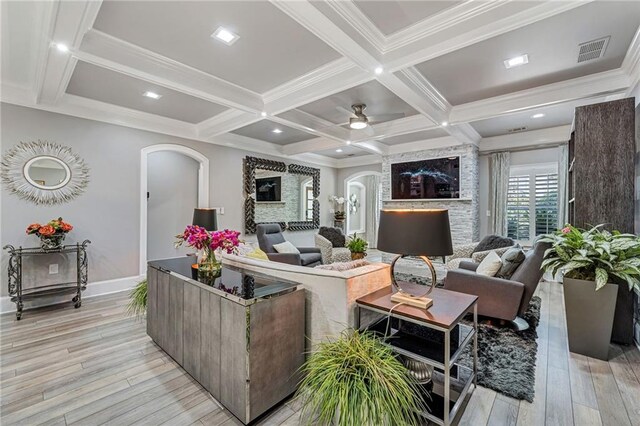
(172,183)
(108,212)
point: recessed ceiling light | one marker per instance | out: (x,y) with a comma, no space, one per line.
(152,95)
(539,115)
(225,36)
(378,70)
(61,47)
(516,61)
(348,142)
(264,114)
(277,131)
(444,124)
(338,150)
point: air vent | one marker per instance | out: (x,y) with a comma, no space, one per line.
(517,129)
(593,49)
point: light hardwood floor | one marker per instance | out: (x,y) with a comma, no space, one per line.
(95,365)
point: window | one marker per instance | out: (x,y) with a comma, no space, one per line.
(532,202)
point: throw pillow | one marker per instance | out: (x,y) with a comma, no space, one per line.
(286,247)
(490,265)
(334,235)
(511,259)
(492,242)
(344,266)
(258,254)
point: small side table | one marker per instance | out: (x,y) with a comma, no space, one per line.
(19,295)
(445,316)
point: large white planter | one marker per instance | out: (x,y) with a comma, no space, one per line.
(589,316)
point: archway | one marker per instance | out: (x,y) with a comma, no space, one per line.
(203,188)
(371,198)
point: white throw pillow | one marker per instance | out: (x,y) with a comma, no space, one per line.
(287,247)
(490,265)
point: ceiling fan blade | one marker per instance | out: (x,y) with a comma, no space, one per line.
(346,111)
(369,131)
(386,117)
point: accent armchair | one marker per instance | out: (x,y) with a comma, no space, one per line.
(270,234)
(506,299)
(467,253)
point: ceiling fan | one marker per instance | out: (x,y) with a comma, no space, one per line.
(360,121)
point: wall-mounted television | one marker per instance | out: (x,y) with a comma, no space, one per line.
(433,179)
(268,189)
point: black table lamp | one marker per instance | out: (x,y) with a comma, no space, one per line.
(418,233)
(205,218)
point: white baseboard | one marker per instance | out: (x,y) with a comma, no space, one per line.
(98,288)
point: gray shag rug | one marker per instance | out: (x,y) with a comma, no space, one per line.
(506,358)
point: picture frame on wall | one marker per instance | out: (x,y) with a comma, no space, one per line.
(429,179)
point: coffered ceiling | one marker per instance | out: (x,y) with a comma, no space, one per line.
(431,73)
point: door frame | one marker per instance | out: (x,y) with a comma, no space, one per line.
(203,188)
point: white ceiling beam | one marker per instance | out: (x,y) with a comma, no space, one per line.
(481,21)
(533,138)
(361,160)
(226,121)
(65,23)
(373,147)
(118,55)
(550,94)
(309,123)
(631,63)
(434,143)
(401,126)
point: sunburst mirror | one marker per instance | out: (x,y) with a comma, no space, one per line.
(44,172)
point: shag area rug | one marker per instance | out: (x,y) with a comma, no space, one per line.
(506,358)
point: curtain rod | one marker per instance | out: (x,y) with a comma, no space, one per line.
(529,148)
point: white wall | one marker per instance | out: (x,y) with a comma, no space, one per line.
(519,158)
(343,174)
(172,183)
(108,212)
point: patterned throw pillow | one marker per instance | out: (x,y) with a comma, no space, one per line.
(492,242)
(334,235)
(511,259)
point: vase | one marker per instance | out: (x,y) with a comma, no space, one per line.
(51,242)
(358,256)
(209,268)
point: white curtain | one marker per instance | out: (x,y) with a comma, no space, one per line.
(563,172)
(372,209)
(499,163)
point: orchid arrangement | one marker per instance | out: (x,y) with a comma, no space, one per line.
(54,226)
(201,239)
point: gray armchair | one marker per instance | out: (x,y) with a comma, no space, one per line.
(497,297)
(270,234)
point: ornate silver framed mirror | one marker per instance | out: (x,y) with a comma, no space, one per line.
(44,172)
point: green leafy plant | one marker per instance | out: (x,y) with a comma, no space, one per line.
(357,244)
(594,255)
(138,299)
(357,380)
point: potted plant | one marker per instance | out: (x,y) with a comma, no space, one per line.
(357,380)
(358,247)
(596,265)
(138,299)
(51,234)
(338,203)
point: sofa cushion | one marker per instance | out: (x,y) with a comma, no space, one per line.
(309,259)
(344,266)
(334,235)
(492,242)
(490,265)
(511,259)
(286,247)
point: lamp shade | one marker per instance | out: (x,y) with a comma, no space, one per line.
(205,218)
(415,232)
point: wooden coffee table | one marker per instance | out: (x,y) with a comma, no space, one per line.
(444,320)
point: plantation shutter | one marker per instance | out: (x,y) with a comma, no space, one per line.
(546,201)
(518,207)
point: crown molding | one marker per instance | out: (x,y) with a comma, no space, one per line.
(498,18)
(331,78)
(118,55)
(372,146)
(533,138)
(465,133)
(434,143)
(70,22)
(226,121)
(362,160)
(606,82)
(631,63)
(359,22)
